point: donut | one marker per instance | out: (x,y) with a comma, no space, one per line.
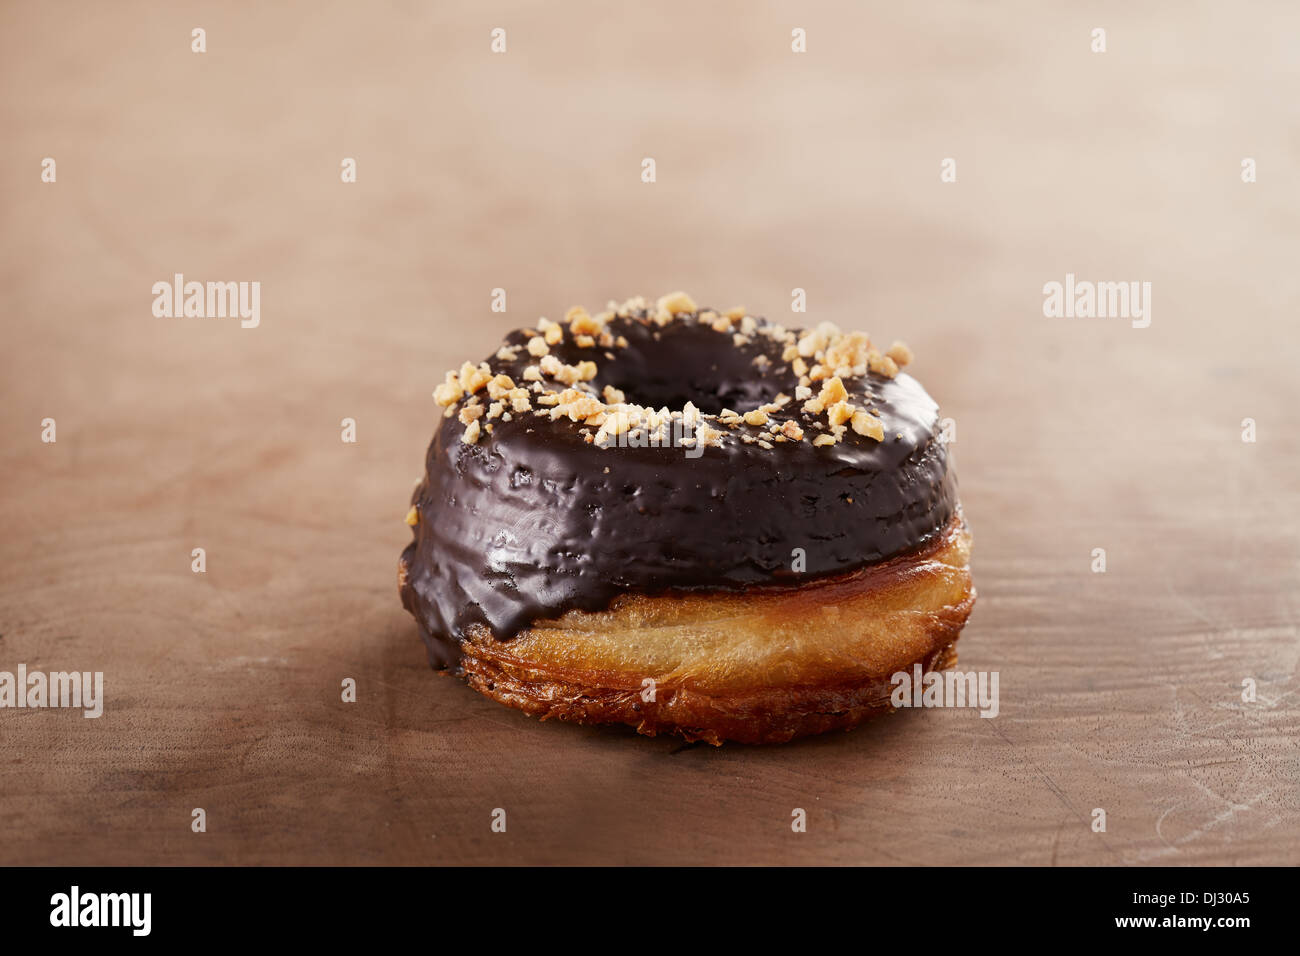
(688,521)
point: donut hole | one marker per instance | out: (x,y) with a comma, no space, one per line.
(685,363)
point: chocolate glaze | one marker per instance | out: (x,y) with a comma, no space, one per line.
(533,521)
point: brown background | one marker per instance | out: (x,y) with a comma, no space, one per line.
(821,171)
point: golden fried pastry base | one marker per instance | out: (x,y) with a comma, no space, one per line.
(761,666)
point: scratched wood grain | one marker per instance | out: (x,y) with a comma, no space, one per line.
(1119,691)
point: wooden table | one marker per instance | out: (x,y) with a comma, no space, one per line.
(775,171)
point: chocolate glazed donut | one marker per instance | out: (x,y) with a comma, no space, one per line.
(687,521)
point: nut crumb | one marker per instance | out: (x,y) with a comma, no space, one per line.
(864,423)
(833,391)
(900,353)
(449,392)
(839,413)
(672,304)
(882,365)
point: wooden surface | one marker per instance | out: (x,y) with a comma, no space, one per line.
(775,170)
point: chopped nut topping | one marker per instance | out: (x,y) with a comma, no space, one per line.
(449,392)
(413,516)
(847,352)
(833,391)
(567,374)
(577,405)
(816,340)
(900,353)
(580,323)
(864,423)
(822,360)
(672,304)
(474,377)
(706,435)
(882,364)
(839,413)
(500,385)
(616,423)
(551,331)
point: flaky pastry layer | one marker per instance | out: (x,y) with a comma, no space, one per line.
(761,666)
